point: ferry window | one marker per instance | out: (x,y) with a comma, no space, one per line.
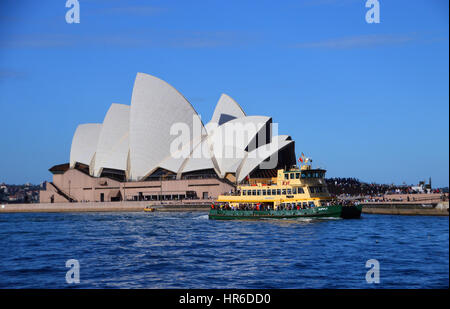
(297,175)
(278,191)
(254,192)
(294,190)
(311,204)
(283,191)
(300,190)
(274,192)
(286,176)
(244,192)
(305,204)
(264,192)
(303,175)
(268,191)
(289,191)
(259,192)
(292,175)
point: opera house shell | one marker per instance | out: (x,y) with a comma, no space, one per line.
(160,139)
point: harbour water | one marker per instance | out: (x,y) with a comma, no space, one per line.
(186,250)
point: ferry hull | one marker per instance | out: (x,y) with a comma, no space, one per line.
(325,211)
(351,212)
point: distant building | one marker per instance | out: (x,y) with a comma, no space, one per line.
(4,188)
(422,187)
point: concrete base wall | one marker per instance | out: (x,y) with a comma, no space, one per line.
(200,205)
(440,209)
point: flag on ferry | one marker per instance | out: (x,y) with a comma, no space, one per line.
(300,159)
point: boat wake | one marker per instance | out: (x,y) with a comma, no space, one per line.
(202,217)
(329,218)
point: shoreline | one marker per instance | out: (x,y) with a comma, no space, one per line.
(100,207)
(408,209)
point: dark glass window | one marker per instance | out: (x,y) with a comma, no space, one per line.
(254,192)
(283,191)
(274,192)
(259,192)
(297,175)
(300,190)
(286,176)
(264,192)
(244,192)
(292,175)
(294,191)
(278,191)
(289,191)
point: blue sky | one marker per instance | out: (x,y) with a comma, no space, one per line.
(363,100)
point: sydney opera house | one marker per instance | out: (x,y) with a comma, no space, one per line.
(158,148)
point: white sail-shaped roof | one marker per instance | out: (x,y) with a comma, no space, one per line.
(161,130)
(113,142)
(229,141)
(177,159)
(156,109)
(226,109)
(260,154)
(84,143)
(200,158)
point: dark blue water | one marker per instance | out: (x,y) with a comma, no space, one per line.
(186,250)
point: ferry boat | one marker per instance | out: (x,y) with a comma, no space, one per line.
(294,193)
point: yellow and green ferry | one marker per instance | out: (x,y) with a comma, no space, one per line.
(294,193)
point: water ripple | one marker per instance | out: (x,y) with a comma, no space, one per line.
(186,250)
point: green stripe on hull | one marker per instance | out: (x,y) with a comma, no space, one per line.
(325,211)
